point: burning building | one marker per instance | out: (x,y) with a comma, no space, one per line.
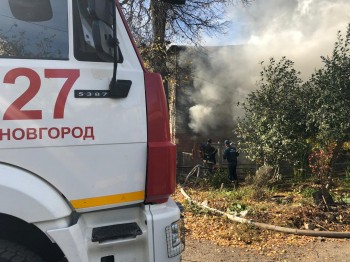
(203,100)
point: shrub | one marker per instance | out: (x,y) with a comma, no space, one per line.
(218,178)
(263,178)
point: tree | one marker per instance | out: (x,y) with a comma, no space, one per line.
(273,128)
(155,24)
(328,107)
(285,118)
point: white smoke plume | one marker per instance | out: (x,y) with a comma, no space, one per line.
(301,30)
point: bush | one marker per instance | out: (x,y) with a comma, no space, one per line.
(218,178)
(263,177)
(251,193)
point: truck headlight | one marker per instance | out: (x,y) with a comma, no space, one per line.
(175,238)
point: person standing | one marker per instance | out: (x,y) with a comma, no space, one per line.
(230,154)
(210,155)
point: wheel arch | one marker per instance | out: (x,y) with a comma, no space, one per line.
(28,235)
(28,197)
(28,203)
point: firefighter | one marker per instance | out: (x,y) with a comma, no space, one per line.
(230,154)
(210,155)
(201,151)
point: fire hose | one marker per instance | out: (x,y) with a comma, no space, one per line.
(301,232)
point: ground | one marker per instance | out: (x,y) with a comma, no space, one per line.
(212,237)
(317,249)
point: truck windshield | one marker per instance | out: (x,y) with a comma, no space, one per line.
(34,40)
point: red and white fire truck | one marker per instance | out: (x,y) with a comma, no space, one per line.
(86,163)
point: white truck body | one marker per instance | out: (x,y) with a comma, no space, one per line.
(72,161)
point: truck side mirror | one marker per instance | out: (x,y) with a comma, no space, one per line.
(102,10)
(103,40)
(31,11)
(104,33)
(102,29)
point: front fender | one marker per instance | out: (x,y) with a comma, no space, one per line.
(26,196)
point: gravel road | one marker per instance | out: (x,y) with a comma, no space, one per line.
(317,250)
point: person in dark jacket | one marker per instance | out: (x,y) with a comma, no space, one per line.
(230,154)
(210,155)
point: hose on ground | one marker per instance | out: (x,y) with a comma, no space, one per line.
(300,232)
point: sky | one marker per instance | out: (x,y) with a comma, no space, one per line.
(301,30)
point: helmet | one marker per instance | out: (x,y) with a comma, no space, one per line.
(209,140)
(227,142)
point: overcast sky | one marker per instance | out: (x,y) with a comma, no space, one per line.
(301,30)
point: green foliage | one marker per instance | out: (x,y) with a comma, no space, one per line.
(286,119)
(307,192)
(196,209)
(328,107)
(320,163)
(273,128)
(251,193)
(344,183)
(215,180)
(263,178)
(236,208)
(241,195)
(347,174)
(218,178)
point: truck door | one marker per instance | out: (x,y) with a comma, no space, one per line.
(55,106)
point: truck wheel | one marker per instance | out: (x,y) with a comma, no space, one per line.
(12,252)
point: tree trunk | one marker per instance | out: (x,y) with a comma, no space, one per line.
(336,151)
(159,11)
(159,15)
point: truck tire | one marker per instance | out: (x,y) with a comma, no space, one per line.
(12,252)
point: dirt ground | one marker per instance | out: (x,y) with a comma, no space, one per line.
(211,237)
(318,249)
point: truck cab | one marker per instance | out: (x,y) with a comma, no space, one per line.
(86,162)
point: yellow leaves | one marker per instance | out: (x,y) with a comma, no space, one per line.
(346,145)
(201,224)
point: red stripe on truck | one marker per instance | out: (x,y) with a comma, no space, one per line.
(161,162)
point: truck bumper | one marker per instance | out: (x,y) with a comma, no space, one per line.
(159,236)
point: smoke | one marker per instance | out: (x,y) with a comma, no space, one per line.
(219,82)
(301,30)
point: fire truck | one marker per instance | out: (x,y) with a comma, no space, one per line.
(87,167)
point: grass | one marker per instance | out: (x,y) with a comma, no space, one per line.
(259,198)
(287,203)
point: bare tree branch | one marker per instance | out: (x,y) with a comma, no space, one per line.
(155,23)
